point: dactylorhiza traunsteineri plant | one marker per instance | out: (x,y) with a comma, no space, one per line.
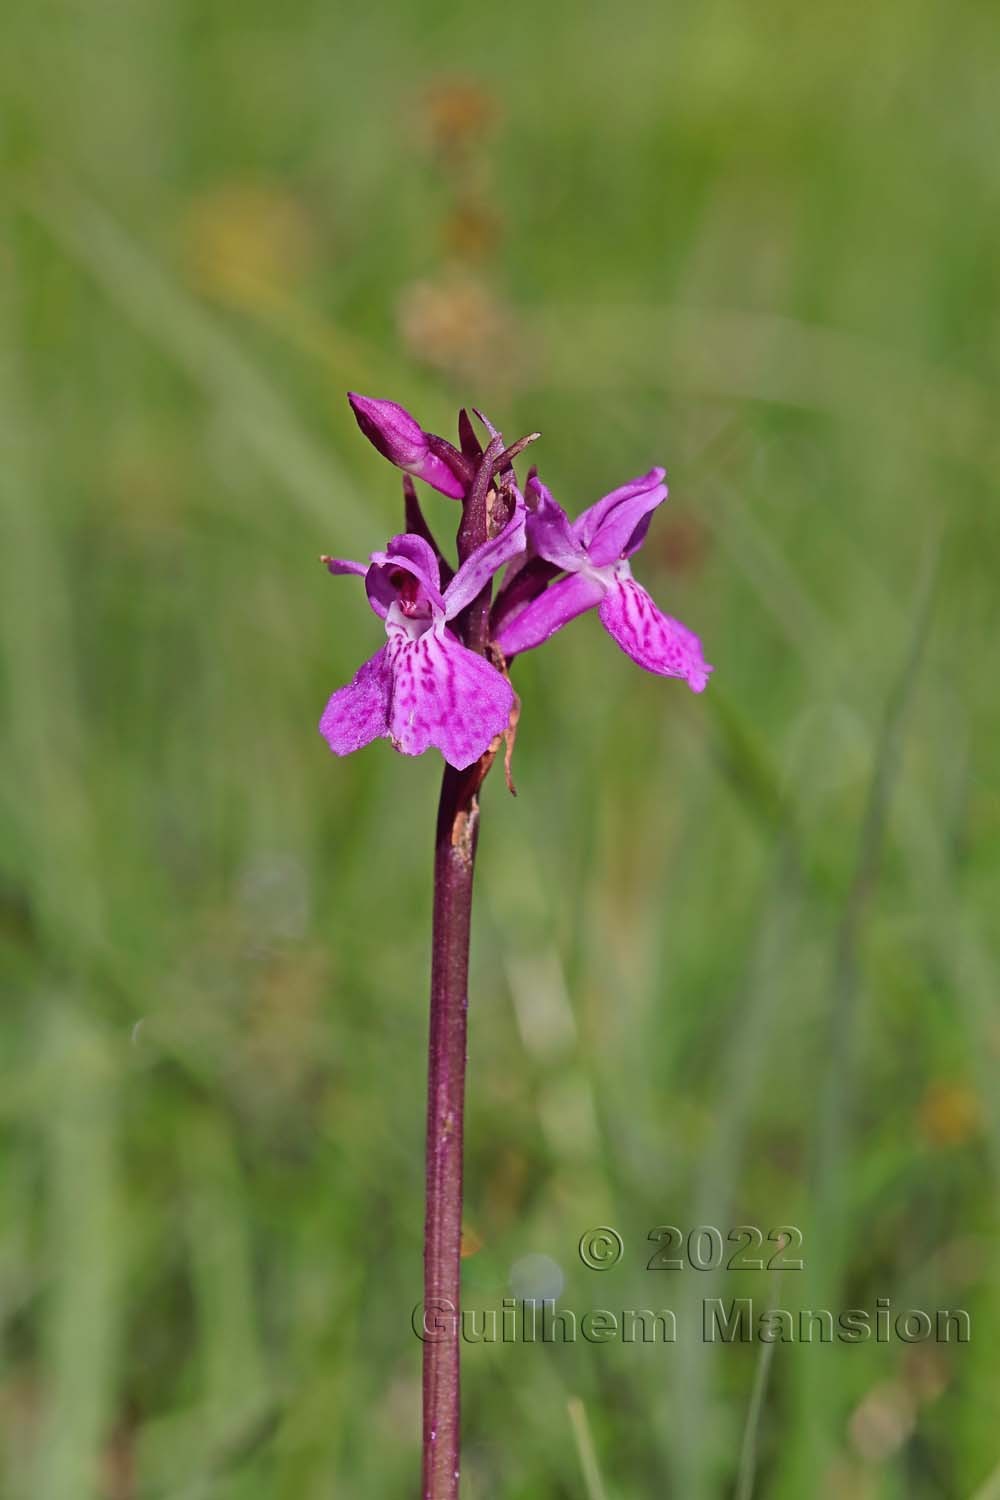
(441,679)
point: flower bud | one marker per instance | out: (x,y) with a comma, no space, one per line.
(401,439)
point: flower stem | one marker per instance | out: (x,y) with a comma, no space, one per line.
(454,864)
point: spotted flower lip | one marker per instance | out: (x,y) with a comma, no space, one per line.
(399,437)
(593,553)
(424,687)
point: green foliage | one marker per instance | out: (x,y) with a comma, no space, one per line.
(731,960)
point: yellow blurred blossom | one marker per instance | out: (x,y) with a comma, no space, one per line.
(950,1113)
(244,239)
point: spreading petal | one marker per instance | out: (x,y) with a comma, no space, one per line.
(652,639)
(358,713)
(561,602)
(344,565)
(443,694)
(616,526)
(400,438)
(549,531)
(477,570)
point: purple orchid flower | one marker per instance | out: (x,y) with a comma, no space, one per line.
(400,438)
(440,680)
(593,552)
(424,687)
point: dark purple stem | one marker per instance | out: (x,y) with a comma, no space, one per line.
(473,531)
(454,864)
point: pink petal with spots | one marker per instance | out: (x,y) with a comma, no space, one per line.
(652,639)
(358,713)
(445,695)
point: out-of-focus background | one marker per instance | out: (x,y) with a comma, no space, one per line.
(732,953)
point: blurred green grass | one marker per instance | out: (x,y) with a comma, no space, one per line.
(759,245)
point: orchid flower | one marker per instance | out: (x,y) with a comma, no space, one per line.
(424,687)
(593,553)
(436,682)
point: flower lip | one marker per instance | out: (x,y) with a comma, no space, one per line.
(652,639)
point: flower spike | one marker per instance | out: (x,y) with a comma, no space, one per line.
(440,679)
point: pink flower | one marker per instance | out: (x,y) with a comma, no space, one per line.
(424,687)
(593,553)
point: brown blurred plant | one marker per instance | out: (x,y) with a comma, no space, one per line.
(458,114)
(455,320)
(458,326)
